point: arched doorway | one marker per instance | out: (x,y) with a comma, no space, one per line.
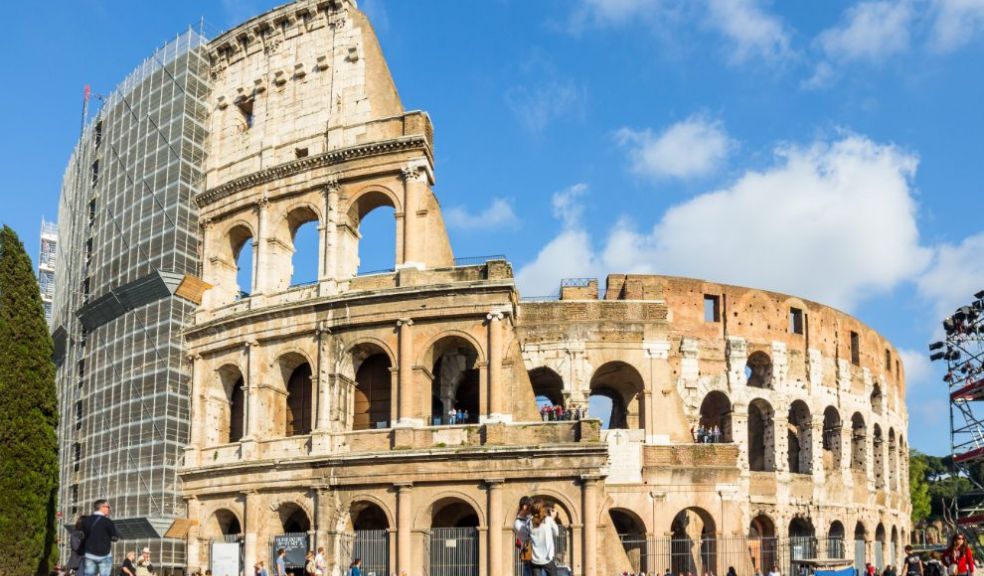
(300,401)
(880,546)
(294,537)
(371,216)
(799,436)
(835,541)
(831,439)
(693,546)
(860,555)
(758,370)
(455,384)
(859,439)
(223,527)
(453,538)
(893,461)
(802,543)
(761,437)
(548,387)
(762,543)
(372,406)
(616,397)
(231,405)
(370,540)
(631,532)
(305,246)
(715,418)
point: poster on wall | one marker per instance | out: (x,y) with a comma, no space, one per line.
(225,559)
(295,546)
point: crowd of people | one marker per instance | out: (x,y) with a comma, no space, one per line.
(707,435)
(456,416)
(551,413)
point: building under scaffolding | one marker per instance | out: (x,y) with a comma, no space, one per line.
(46,266)
(128,241)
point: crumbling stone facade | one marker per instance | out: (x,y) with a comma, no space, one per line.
(323,408)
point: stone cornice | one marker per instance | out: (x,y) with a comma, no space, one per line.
(405,143)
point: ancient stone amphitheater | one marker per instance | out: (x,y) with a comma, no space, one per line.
(320,411)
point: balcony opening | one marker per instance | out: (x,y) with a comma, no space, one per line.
(373,393)
(455,384)
(761,437)
(616,397)
(712,308)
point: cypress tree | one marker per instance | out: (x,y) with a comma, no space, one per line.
(28,418)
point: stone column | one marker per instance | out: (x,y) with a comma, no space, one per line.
(405,362)
(494,487)
(325,361)
(194,552)
(496,393)
(589,493)
(251,506)
(252,429)
(197,433)
(404,526)
(328,269)
(261,252)
(415,178)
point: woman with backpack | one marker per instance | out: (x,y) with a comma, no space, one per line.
(958,557)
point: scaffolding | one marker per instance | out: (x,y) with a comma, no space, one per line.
(128,227)
(46,266)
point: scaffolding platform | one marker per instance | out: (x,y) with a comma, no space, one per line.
(970,392)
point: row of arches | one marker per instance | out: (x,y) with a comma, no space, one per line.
(716,411)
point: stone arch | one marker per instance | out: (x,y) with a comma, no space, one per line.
(622,384)
(799,438)
(877,457)
(761,436)
(893,546)
(893,461)
(293,517)
(860,532)
(762,526)
(367,514)
(877,398)
(567,511)
(758,370)
(801,527)
(222,522)
(455,359)
(359,205)
(715,413)
(879,545)
(359,503)
(762,542)
(836,536)
(227,404)
(631,530)
(694,535)
(296,217)
(225,270)
(350,359)
(294,414)
(454,511)
(859,441)
(548,386)
(832,428)
(836,530)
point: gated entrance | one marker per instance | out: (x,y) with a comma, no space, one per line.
(453,552)
(372,546)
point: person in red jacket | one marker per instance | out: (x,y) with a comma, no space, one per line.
(958,557)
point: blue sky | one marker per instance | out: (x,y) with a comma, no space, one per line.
(827,149)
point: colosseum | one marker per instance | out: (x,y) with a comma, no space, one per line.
(741,427)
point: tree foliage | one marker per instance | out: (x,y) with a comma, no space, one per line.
(28,418)
(919,487)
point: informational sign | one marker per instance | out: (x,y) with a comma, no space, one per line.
(225,559)
(296,547)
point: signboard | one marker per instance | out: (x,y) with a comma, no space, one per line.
(296,546)
(225,559)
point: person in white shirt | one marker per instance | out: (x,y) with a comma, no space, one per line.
(543,530)
(320,563)
(775,571)
(522,529)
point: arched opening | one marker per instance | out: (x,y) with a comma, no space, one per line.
(799,437)
(860,555)
(836,535)
(622,386)
(230,406)
(369,243)
(293,519)
(305,243)
(831,439)
(241,249)
(693,546)
(802,542)
(876,399)
(762,543)
(548,387)
(761,437)
(454,528)
(878,458)
(632,534)
(758,370)
(373,392)
(893,547)
(371,537)
(223,525)
(455,385)
(859,439)
(893,461)
(715,419)
(298,402)
(880,546)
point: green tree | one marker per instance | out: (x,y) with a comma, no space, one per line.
(919,486)
(28,418)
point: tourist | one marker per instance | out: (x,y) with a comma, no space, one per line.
(355,568)
(77,545)
(933,566)
(320,562)
(281,562)
(775,571)
(143,564)
(464,416)
(99,535)
(543,530)
(452,413)
(889,571)
(521,527)
(959,555)
(127,568)
(543,413)
(260,570)
(913,565)
(716,434)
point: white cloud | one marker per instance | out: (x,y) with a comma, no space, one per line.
(869,32)
(956,274)
(499,214)
(694,147)
(918,369)
(613,11)
(536,106)
(753,32)
(834,222)
(955,23)
(823,76)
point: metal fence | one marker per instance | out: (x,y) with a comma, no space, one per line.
(453,552)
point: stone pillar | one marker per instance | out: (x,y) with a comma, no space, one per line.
(251,505)
(405,362)
(496,393)
(494,487)
(816,445)
(589,492)
(261,252)
(252,429)
(194,552)
(415,178)
(197,433)
(404,526)
(328,269)
(325,361)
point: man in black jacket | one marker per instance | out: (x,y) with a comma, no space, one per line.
(100,533)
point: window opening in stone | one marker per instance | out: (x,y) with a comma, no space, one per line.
(888,361)
(305,241)
(694,544)
(241,250)
(758,370)
(454,513)
(76,456)
(369,243)
(712,308)
(831,439)
(761,437)
(368,516)
(855,349)
(222,523)
(616,397)
(299,401)
(859,437)
(294,520)
(373,393)
(799,436)
(548,388)
(876,399)
(795,320)
(632,534)
(877,460)
(893,461)
(245,107)
(455,384)
(230,406)
(715,419)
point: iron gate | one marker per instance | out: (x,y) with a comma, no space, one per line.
(859,556)
(372,546)
(453,552)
